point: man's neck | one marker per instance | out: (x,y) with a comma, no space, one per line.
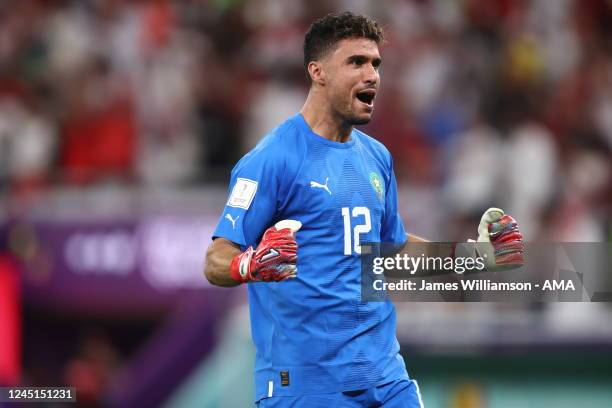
(319,116)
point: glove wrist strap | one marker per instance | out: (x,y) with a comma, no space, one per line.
(239,268)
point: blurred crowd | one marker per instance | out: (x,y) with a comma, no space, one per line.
(499,102)
(503,101)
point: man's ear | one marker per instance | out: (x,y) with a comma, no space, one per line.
(316,72)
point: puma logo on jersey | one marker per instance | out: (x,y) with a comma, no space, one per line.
(314,184)
(232,220)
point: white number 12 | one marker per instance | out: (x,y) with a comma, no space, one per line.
(359,229)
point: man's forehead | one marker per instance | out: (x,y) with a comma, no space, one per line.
(356,46)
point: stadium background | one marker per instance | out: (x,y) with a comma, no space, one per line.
(120,121)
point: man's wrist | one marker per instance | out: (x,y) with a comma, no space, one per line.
(240,265)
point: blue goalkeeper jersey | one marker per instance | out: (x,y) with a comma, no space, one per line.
(313,334)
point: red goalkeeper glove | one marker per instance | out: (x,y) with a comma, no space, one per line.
(274,259)
(500,241)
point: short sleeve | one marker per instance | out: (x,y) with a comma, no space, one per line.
(392,229)
(253,196)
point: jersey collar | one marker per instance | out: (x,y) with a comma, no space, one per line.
(303,125)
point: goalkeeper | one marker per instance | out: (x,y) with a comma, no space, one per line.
(318,344)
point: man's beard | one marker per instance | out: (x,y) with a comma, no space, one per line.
(349,118)
(355,121)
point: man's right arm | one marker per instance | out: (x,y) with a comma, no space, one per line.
(273,260)
(218,260)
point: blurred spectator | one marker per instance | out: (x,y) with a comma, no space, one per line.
(473,168)
(91,370)
(99,129)
(28,139)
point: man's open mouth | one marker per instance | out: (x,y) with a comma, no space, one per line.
(366,96)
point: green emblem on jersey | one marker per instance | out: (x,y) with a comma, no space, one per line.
(377,184)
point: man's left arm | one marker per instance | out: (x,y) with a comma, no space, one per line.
(499,243)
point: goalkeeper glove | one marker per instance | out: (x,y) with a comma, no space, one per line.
(274,259)
(499,243)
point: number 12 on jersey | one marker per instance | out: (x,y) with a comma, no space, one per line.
(354,231)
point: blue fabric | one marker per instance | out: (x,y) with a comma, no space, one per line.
(397,394)
(315,327)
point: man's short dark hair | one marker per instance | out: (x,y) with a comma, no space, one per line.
(327,31)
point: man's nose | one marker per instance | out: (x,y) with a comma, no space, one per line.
(370,75)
